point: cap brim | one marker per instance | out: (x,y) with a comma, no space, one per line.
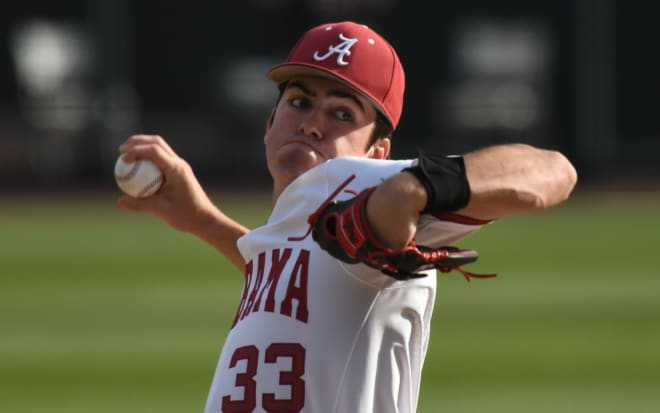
(286,71)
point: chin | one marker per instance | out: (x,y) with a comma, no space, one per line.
(301,155)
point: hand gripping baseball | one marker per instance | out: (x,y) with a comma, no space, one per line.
(341,228)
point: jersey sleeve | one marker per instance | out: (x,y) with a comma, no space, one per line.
(367,172)
(432,230)
(446,229)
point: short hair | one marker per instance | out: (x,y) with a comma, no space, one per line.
(383,129)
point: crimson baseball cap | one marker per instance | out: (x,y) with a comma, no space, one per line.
(353,54)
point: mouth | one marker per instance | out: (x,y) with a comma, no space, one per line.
(303,143)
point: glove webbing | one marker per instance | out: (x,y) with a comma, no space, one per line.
(314,218)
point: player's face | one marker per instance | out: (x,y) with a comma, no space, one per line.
(318,119)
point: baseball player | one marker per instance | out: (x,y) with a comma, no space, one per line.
(340,281)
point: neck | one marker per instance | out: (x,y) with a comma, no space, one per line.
(278,188)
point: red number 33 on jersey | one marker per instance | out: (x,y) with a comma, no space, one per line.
(292,378)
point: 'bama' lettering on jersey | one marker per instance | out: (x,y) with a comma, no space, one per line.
(264,277)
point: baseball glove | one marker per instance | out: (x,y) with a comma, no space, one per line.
(341,228)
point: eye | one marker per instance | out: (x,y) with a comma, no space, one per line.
(299,102)
(344,115)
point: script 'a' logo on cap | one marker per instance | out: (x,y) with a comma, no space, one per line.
(343,49)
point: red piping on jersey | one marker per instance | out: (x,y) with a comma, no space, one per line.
(313,219)
(461,219)
(467,274)
(446,216)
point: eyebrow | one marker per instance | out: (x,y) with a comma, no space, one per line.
(334,92)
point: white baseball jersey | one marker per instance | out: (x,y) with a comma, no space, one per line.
(314,334)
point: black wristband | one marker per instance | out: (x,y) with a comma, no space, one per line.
(445,181)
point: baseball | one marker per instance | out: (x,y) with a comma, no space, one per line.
(139,179)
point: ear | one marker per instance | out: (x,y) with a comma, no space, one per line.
(380,149)
(269,123)
(271,118)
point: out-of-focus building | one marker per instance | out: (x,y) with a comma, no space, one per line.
(81,76)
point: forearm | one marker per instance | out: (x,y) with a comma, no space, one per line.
(182,202)
(221,232)
(512,179)
(504,180)
(394,208)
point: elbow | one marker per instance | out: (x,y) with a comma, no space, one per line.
(562,178)
(567,176)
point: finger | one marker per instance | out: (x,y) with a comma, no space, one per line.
(163,144)
(155,140)
(134,140)
(155,153)
(142,139)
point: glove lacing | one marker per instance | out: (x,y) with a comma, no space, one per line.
(312,220)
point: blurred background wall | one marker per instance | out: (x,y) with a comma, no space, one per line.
(80,76)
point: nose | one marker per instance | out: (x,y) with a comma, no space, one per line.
(312,125)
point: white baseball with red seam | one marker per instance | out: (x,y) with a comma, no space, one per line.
(139,179)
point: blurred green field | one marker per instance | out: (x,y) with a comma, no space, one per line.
(107,311)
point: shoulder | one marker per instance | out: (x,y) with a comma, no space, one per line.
(309,190)
(367,172)
(366,164)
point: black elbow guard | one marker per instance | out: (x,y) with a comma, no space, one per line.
(445,181)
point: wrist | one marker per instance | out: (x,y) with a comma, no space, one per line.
(393,209)
(445,181)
